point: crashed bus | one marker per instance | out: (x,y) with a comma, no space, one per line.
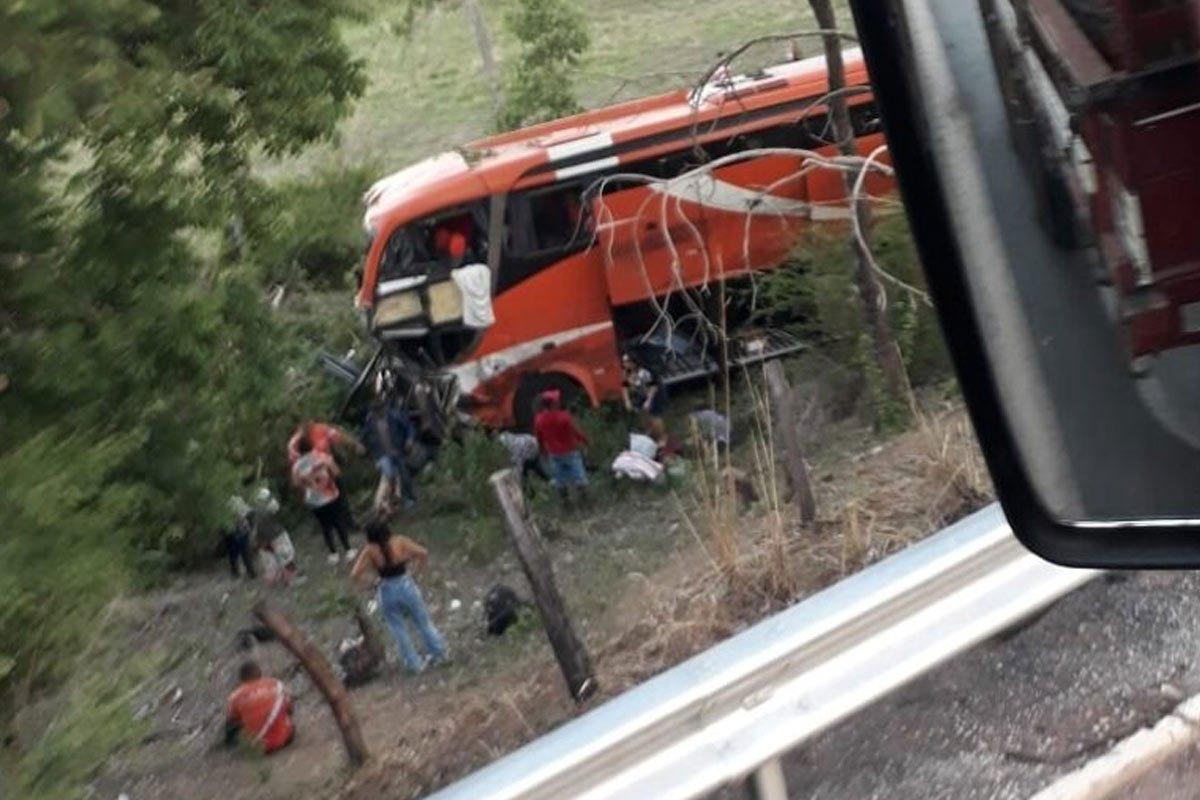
(532,259)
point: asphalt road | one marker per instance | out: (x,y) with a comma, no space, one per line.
(1007,718)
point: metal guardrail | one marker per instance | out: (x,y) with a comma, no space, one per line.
(732,711)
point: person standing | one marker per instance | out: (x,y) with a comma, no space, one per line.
(237,538)
(560,438)
(386,433)
(275,548)
(315,475)
(323,437)
(393,559)
(259,710)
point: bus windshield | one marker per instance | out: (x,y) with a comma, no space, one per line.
(436,244)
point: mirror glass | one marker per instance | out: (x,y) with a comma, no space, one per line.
(1065,136)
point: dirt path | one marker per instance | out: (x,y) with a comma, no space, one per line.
(638,579)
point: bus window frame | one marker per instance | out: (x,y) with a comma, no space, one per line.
(432,267)
(518,211)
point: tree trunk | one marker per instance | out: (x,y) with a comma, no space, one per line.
(483,41)
(535,561)
(793,453)
(322,676)
(883,343)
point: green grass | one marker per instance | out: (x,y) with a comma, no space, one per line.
(427,93)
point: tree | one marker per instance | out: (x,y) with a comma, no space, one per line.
(885,354)
(540,85)
(140,357)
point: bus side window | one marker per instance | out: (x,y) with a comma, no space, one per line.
(865,120)
(543,226)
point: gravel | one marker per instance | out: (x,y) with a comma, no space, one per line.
(1007,718)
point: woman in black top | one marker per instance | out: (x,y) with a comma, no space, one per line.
(393,558)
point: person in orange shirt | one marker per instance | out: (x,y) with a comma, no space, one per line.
(260,710)
(324,438)
(450,240)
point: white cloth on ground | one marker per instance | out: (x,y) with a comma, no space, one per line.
(637,467)
(475,283)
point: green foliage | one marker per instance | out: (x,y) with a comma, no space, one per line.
(141,365)
(313,230)
(409,11)
(540,85)
(607,429)
(458,482)
(96,720)
(815,295)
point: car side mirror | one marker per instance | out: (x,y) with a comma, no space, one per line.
(1051,174)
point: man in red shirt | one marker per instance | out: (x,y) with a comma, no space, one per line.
(560,438)
(260,710)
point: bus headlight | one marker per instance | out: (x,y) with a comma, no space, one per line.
(396,308)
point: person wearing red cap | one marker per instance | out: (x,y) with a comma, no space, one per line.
(560,438)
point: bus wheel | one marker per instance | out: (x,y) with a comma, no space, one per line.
(525,401)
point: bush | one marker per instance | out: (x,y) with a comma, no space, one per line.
(95,719)
(457,481)
(540,86)
(815,295)
(311,229)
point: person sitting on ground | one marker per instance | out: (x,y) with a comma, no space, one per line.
(315,475)
(259,710)
(560,438)
(393,559)
(386,433)
(644,393)
(712,426)
(524,454)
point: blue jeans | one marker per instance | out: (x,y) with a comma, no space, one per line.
(401,600)
(568,470)
(395,468)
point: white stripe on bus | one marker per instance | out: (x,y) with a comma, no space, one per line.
(475,372)
(706,191)
(585,144)
(587,167)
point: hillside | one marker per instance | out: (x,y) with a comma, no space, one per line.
(428,92)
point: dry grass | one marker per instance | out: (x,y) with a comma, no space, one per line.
(757,560)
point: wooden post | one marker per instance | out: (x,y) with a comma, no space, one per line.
(370,636)
(321,673)
(535,561)
(793,453)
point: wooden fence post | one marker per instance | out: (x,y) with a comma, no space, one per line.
(793,453)
(535,561)
(321,673)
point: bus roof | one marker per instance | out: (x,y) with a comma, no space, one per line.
(592,140)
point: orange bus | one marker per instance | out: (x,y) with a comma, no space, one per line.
(534,258)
